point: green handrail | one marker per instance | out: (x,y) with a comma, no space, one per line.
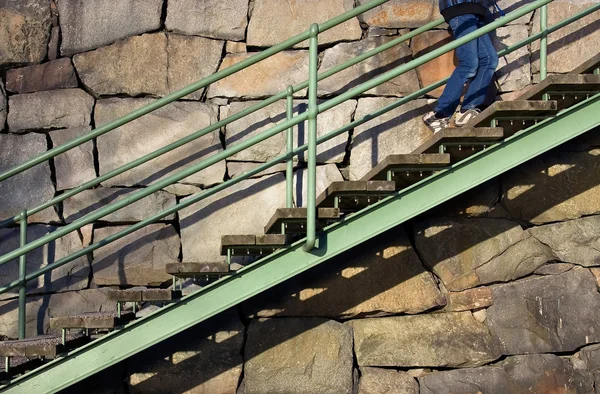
(268,133)
(222,123)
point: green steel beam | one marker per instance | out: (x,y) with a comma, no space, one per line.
(335,239)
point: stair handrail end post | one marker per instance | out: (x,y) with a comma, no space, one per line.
(289,170)
(311,157)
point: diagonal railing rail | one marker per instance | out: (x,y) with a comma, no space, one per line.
(311,116)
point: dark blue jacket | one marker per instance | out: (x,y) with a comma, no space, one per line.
(451,8)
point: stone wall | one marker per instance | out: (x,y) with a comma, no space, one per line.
(495,289)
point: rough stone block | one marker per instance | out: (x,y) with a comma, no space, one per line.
(453,339)
(546,314)
(325,176)
(384,277)
(378,380)
(25,30)
(553,187)
(271,23)
(262,79)
(465,253)
(298,355)
(226,20)
(231,211)
(91,200)
(75,166)
(153,131)
(398,131)
(190,60)
(56,74)
(39,309)
(368,69)
(29,188)
(237,168)
(3,108)
(514,69)
(137,65)
(397,14)
(137,259)
(91,24)
(55,109)
(572,45)
(477,298)
(71,276)
(438,68)
(235,47)
(575,241)
(54,43)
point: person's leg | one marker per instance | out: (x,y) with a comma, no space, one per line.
(488,61)
(467,65)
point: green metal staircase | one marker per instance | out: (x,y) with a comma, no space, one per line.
(347,214)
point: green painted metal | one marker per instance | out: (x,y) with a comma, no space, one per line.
(337,238)
(543,42)
(289,144)
(313,112)
(22,273)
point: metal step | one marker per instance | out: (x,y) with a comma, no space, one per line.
(566,90)
(293,220)
(588,67)
(350,196)
(253,245)
(46,346)
(461,142)
(514,116)
(408,169)
(191,270)
(143,294)
(91,320)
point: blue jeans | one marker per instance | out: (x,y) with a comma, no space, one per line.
(477,62)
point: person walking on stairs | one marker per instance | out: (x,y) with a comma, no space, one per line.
(477,63)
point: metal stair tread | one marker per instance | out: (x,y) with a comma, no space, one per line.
(420,160)
(290,215)
(91,320)
(463,134)
(143,294)
(514,109)
(191,269)
(253,244)
(560,83)
(354,188)
(588,67)
(48,346)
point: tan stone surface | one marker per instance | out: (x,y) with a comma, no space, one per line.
(190,60)
(137,259)
(514,70)
(553,187)
(25,30)
(272,22)
(438,68)
(477,298)
(75,166)
(452,339)
(401,13)
(265,78)
(398,131)
(134,66)
(384,277)
(572,45)
(368,69)
(153,131)
(57,74)
(379,380)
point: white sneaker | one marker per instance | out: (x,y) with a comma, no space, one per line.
(462,118)
(435,124)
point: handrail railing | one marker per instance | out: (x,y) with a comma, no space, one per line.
(285,125)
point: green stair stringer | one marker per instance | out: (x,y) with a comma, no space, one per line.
(335,239)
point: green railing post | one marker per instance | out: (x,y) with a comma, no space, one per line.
(543,42)
(289,170)
(313,110)
(22,274)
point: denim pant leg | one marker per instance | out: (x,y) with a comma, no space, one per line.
(488,61)
(468,62)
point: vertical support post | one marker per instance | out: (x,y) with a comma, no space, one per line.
(289,142)
(22,273)
(543,42)
(63,336)
(311,195)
